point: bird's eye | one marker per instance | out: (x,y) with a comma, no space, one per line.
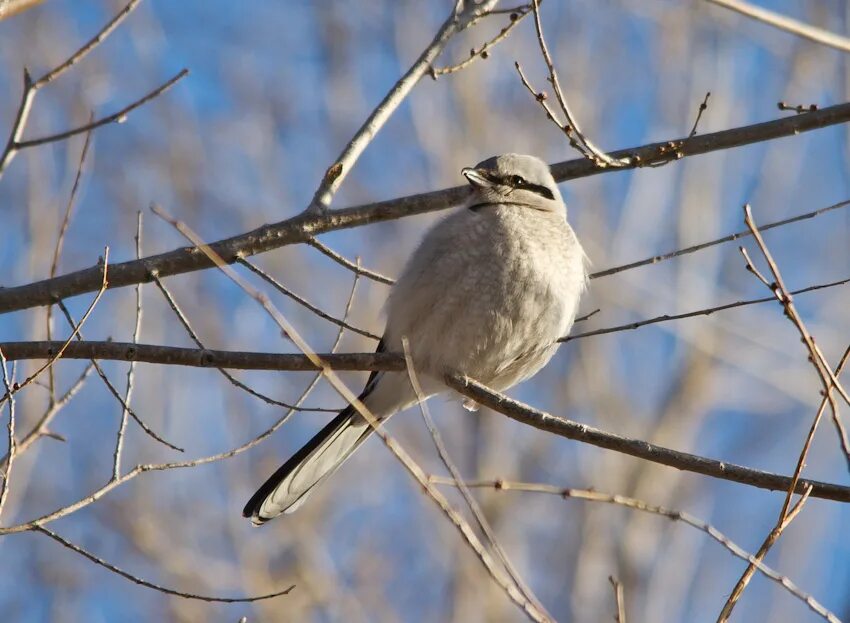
(517,181)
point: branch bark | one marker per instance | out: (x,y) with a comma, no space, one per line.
(480,393)
(301,228)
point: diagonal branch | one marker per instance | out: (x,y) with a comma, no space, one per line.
(459,19)
(782,22)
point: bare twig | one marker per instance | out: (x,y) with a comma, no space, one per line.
(784,521)
(517,14)
(103,268)
(304,302)
(675,515)
(154,467)
(584,433)
(232,379)
(115,393)
(570,126)
(781,293)
(302,228)
(702,109)
(337,172)
(157,587)
(704,245)
(828,380)
(11,441)
(31,87)
(343,261)
(57,250)
(619,599)
(473,506)
(782,22)
(89,45)
(40,428)
(699,312)
(116,117)
(131,369)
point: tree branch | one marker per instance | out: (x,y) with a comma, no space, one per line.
(304,226)
(782,22)
(388,361)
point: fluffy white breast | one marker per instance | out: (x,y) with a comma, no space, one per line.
(488,293)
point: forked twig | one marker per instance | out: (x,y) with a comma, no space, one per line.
(115,393)
(569,126)
(828,379)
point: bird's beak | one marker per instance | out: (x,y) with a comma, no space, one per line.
(479,178)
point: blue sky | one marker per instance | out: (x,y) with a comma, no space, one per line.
(275,91)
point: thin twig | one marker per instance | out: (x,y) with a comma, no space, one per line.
(570,127)
(387,361)
(301,228)
(116,394)
(710,243)
(116,117)
(517,14)
(157,587)
(828,380)
(343,261)
(232,379)
(31,87)
(784,521)
(131,369)
(304,302)
(90,45)
(619,599)
(40,428)
(11,441)
(782,22)
(155,467)
(702,108)
(473,506)
(641,449)
(639,505)
(103,268)
(784,297)
(699,312)
(57,250)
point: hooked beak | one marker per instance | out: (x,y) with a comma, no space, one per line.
(479,178)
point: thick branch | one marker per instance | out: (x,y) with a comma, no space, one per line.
(302,227)
(199,358)
(481,394)
(635,447)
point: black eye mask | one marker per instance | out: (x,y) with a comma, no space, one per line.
(519,183)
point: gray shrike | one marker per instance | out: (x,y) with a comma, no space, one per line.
(487,293)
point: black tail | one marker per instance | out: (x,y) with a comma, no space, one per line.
(252,508)
(328,448)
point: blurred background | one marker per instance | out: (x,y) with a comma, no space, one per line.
(275,92)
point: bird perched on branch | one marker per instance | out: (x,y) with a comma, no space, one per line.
(487,293)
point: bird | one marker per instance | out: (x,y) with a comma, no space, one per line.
(487,293)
